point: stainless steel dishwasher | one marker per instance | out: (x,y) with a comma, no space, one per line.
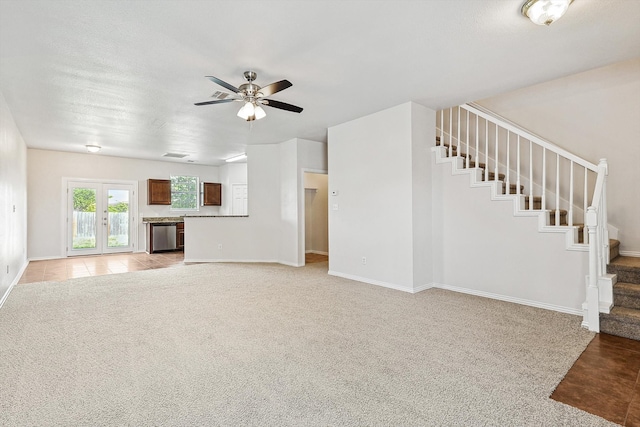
(164,236)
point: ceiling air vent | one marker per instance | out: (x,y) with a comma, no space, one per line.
(175,155)
(220,95)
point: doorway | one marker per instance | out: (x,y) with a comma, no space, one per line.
(316,217)
(100,217)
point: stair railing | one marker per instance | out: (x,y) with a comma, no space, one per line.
(540,171)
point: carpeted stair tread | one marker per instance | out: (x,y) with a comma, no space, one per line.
(513,188)
(492,176)
(614,249)
(626,268)
(626,295)
(622,321)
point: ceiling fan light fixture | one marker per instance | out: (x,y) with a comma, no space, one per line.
(259,112)
(93,148)
(544,12)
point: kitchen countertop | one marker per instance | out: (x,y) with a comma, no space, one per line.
(161,219)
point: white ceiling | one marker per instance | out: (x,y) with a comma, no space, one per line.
(125,74)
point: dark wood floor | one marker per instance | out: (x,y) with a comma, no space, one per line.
(604,381)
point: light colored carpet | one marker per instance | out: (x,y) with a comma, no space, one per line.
(270,345)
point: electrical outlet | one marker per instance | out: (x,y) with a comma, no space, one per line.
(364,260)
(220,246)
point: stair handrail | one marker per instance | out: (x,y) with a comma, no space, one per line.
(509,125)
(595,214)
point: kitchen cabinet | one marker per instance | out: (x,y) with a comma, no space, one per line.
(211,194)
(158,192)
(180,236)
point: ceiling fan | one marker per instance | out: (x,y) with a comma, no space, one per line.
(252,95)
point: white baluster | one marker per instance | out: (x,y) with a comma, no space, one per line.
(570,213)
(508,163)
(466,160)
(518,167)
(477,138)
(585,232)
(530,173)
(495,170)
(486,150)
(544,179)
(459,145)
(450,131)
(557,189)
(442,127)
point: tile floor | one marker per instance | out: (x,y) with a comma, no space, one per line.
(604,381)
(83,266)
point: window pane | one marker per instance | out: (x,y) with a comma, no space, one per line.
(184,192)
(84,218)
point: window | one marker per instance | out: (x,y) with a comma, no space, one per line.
(184,193)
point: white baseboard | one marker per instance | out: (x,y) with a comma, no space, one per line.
(211,260)
(381,283)
(630,253)
(46,258)
(15,281)
(316,252)
(507,298)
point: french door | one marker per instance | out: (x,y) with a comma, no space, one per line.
(100,218)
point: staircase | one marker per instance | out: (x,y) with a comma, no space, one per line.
(624,318)
(566,193)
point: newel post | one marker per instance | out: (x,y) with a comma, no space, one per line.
(593,304)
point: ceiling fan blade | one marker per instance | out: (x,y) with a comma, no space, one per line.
(275,87)
(223,84)
(281,105)
(217,101)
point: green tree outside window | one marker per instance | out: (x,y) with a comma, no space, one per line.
(184,193)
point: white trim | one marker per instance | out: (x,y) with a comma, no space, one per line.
(381,283)
(311,251)
(522,301)
(13,283)
(232,260)
(46,258)
(65,210)
(630,253)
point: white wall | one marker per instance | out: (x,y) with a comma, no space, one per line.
(316,213)
(379,166)
(231,173)
(13,201)
(481,248)
(595,114)
(273,231)
(46,170)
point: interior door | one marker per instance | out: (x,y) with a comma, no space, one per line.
(239,195)
(100,218)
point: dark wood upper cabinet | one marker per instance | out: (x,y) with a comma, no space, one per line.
(158,192)
(211,194)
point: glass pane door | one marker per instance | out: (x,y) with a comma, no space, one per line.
(84,223)
(117,214)
(99,218)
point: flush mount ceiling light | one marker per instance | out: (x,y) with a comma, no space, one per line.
(93,148)
(236,158)
(544,12)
